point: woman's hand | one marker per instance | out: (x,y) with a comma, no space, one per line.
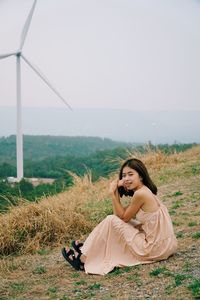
(118,209)
(114,185)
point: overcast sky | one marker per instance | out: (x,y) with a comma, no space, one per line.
(130,54)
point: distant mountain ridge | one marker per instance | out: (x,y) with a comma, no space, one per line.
(120,125)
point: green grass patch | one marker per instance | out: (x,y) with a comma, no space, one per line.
(179,278)
(77,291)
(52,290)
(172,212)
(18,286)
(157,271)
(176,205)
(115,272)
(39,270)
(94,286)
(185,213)
(81,282)
(175,223)
(194,286)
(195,170)
(75,275)
(176,194)
(64,298)
(196,235)
(118,271)
(191,224)
(179,235)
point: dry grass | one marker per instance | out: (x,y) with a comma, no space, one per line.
(38,229)
(52,221)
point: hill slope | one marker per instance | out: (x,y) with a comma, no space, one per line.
(42,228)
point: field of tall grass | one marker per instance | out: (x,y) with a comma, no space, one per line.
(31,228)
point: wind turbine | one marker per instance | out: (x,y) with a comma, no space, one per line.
(19,55)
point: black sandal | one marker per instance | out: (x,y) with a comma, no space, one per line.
(75,262)
(77,246)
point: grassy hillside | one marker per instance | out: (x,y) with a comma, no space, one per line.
(32,234)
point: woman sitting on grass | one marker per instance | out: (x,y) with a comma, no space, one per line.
(139,233)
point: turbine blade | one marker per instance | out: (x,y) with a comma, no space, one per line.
(26,26)
(7,55)
(44,78)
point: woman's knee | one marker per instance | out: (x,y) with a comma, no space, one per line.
(112,218)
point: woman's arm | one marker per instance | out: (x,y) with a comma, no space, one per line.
(124,213)
(137,202)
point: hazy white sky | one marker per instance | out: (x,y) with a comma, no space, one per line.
(130,54)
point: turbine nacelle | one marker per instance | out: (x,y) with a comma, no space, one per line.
(18,53)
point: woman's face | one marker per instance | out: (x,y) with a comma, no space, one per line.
(131,179)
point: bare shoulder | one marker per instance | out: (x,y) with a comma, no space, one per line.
(142,193)
(140,196)
(146,199)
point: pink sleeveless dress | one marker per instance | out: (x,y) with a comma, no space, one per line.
(114,243)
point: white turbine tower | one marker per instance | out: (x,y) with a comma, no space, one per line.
(19,55)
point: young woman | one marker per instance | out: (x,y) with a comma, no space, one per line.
(140,233)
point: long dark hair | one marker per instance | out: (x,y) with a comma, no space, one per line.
(141,169)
